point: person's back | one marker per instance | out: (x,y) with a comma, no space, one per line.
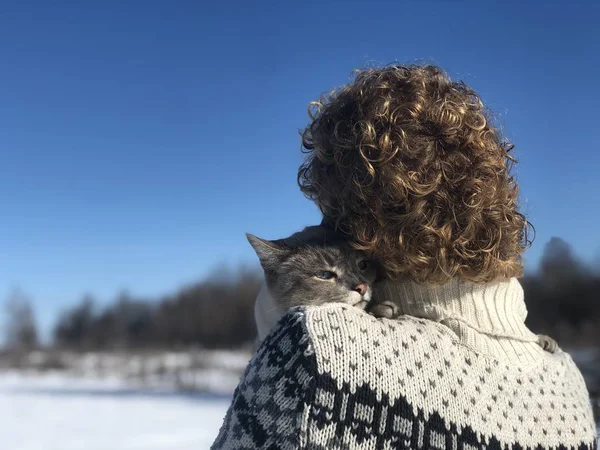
(406,163)
(333,377)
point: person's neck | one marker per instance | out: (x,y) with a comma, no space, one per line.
(487,317)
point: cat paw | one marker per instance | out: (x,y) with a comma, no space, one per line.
(547,343)
(362,304)
(387,310)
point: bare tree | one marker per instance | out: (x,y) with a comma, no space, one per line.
(75,324)
(20,325)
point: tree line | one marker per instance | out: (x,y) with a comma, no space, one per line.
(215,313)
(562,298)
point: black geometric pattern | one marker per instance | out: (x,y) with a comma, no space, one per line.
(369,419)
(285,402)
(267,406)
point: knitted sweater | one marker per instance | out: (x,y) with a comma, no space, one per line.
(465,374)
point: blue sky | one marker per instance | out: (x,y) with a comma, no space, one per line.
(139,141)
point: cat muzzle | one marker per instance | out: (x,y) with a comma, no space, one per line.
(361,288)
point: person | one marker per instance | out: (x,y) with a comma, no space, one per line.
(408,164)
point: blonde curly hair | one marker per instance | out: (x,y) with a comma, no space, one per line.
(407,163)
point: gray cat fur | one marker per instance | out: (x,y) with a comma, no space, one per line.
(290,266)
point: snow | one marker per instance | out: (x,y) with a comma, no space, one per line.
(60,412)
(194,370)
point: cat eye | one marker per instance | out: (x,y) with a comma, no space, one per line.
(363,265)
(325,275)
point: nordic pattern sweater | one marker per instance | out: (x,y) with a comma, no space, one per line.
(465,374)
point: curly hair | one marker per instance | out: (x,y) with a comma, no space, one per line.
(407,163)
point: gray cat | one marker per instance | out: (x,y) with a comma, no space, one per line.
(311,267)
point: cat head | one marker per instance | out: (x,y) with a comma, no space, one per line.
(314,266)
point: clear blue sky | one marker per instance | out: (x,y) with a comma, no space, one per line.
(139,141)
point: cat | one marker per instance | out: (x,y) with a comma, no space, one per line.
(311,267)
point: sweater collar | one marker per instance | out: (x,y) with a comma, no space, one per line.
(496,310)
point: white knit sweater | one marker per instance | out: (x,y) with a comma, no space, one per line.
(459,371)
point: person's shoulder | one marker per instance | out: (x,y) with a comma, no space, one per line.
(351,325)
(348,341)
(347,345)
(335,333)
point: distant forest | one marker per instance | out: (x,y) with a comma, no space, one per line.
(562,299)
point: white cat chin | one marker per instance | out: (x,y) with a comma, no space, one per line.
(355,299)
(367,295)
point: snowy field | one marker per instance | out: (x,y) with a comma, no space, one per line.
(57,412)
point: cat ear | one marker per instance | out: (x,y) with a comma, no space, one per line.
(269,253)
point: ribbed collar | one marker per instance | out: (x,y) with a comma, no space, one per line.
(489,317)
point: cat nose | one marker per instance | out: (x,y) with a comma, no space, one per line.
(361,288)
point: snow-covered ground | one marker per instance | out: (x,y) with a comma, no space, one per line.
(193,370)
(58,412)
